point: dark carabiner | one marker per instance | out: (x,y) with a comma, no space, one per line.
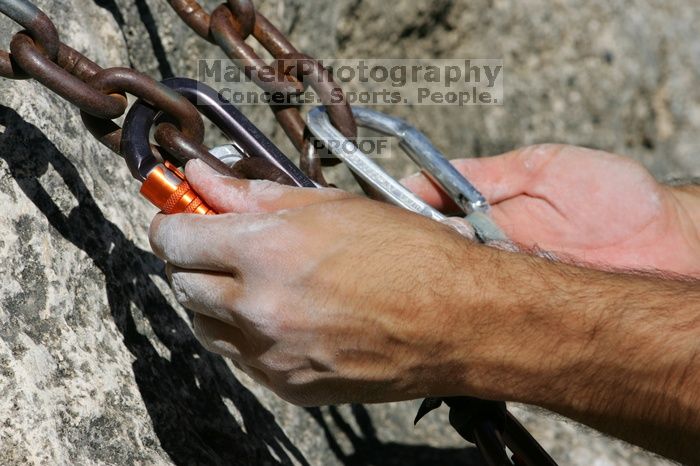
(162,182)
(493,429)
(236,127)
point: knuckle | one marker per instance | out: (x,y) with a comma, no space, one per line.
(534,158)
(543,148)
(154,234)
(270,315)
(543,151)
(289,378)
(205,334)
(180,284)
(163,235)
(279,364)
(257,374)
(169,270)
(201,332)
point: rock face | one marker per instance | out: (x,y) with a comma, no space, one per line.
(98,364)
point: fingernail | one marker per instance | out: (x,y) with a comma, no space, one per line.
(411,179)
(200,166)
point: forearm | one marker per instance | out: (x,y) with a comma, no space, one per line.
(620,353)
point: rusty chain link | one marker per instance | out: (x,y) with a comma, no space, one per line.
(38,53)
(229,25)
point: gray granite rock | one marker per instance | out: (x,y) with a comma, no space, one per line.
(98,364)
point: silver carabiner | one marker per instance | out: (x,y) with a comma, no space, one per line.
(228,154)
(320,125)
(423,153)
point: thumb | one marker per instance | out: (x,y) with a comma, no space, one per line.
(226,194)
(499,178)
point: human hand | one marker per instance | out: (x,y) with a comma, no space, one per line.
(313,292)
(326,297)
(598,208)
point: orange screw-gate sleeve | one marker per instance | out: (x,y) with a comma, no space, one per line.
(168,190)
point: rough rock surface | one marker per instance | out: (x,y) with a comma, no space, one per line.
(98,365)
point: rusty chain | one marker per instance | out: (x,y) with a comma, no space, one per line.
(100,94)
(38,53)
(228,26)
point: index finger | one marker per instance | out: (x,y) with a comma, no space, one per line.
(210,242)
